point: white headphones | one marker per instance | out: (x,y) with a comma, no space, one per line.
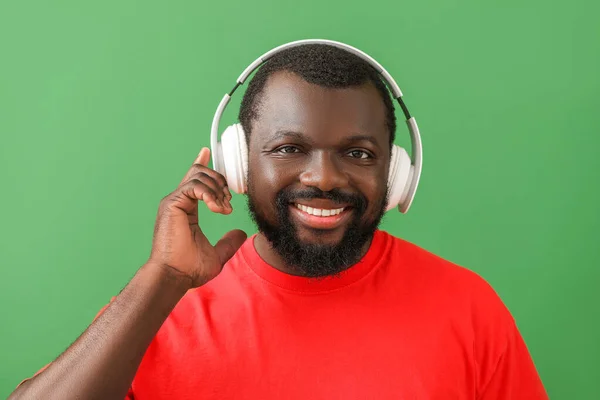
(230,156)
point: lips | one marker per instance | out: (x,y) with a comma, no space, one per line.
(319,218)
(319,212)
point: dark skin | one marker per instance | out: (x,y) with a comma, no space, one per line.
(307,135)
(102,362)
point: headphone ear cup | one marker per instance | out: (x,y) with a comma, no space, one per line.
(243,147)
(235,157)
(398,177)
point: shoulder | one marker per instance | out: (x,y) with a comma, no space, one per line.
(423,263)
(446,280)
(455,296)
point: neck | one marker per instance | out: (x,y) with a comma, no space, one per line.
(273,258)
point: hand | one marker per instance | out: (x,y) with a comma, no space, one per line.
(179,244)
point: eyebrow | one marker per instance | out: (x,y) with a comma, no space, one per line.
(360,138)
(287,134)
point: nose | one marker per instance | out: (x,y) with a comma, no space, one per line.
(324,172)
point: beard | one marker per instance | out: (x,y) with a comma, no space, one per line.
(316,259)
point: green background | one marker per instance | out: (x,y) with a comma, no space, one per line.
(103,106)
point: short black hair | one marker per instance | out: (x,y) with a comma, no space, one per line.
(320,64)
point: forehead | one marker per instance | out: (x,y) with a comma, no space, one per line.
(288,102)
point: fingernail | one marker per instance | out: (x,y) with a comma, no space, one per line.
(228,203)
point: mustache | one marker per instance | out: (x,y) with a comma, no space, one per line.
(287,196)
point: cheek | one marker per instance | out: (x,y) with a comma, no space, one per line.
(260,177)
(375,190)
(267,176)
(264,182)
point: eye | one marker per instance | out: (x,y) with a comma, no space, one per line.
(287,150)
(359,154)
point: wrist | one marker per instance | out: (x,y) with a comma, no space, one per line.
(167,277)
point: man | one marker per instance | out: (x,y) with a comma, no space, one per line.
(320,304)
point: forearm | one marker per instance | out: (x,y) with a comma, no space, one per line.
(103,361)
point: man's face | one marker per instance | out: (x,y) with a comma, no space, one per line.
(316,150)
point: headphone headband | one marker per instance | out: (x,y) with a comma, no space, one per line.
(388,78)
(416,145)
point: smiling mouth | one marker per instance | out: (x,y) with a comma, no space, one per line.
(320,212)
(320,218)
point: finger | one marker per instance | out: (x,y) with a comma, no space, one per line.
(216,186)
(207,195)
(229,244)
(214,175)
(187,197)
(203,157)
(200,158)
(219,178)
(201,165)
(203,192)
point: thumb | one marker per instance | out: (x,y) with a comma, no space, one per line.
(229,244)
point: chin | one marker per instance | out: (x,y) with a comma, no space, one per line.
(325,237)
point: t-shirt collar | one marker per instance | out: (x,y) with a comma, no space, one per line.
(379,246)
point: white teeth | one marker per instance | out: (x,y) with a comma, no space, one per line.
(319,211)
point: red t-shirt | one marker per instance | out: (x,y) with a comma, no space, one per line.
(400,324)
